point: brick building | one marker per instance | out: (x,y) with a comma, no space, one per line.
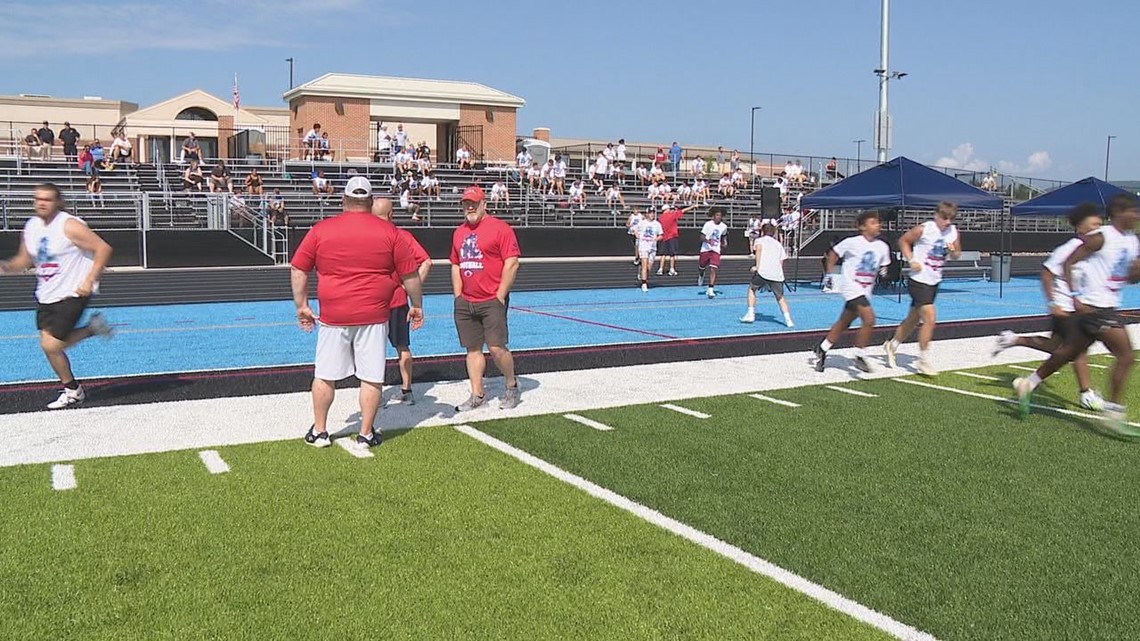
(441,113)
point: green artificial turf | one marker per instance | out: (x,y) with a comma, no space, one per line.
(946,512)
(438,537)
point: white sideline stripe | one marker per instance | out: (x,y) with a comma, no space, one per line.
(777,401)
(789,579)
(601,427)
(213,462)
(63,477)
(853,392)
(978,376)
(348,444)
(1098,366)
(991,397)
(685,410)
(1023,368)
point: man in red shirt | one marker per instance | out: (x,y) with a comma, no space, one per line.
(669,237)
(357,257)
(484,261)
(399,327)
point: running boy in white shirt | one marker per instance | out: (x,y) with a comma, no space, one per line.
(714,238)
(768,273)
(925,248)
(864,258)
(649,231)
(632,227)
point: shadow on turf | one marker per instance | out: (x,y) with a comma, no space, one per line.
(1043,395)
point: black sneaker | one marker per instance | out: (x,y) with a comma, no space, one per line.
(317,440)
(820,358)
(372,440)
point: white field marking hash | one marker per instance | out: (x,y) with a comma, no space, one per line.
(588,422)
(777,401)
(685,410)
(853,392)
(63,477)
(213,462)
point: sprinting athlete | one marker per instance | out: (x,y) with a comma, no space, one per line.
(925,248)
(768,273)
(1085,220)
(1110,256)
(649,231)
(631,225)
(864,257)
(714,238)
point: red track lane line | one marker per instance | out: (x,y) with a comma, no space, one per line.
(597,324)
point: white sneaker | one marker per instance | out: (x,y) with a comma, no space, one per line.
(1090,400)
(660,273)
(99,326)
(1005,340)
(644,287)
(788,321)
(750,317)
(672,272)
(925,368)
(710,293)
(67,398)
(891,351)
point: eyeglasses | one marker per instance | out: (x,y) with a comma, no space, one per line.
(469,204)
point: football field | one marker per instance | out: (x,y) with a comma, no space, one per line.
(888,507)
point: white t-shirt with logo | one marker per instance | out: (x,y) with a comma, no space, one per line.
(61,266)
(648,231)
(931,250)
(772,257)
(713,234)
(862,260)
(1106,270)
(1062,294)
(634,224)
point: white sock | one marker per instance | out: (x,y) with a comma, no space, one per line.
(1034,380)
(895,344)
(825,345)
(751,309)
(860,352)
(922,354)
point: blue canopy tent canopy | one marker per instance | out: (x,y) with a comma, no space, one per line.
(1059,201)
(900,183)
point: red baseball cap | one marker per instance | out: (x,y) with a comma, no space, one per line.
(474,193)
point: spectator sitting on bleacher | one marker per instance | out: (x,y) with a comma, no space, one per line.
(559,175)
(430,186)
(321,185)
(614,197)
(220,178)
(240,213)
(121,148)
(403,162)
(697,167)
(660,157)
(989,183)
(275,209)
(192,178)
(409,205)
(34,147)
(499,193)
(463,158)
(534,176)
(656,175)
(685,193)
(324,148)
(653,193)
(311,142)
(423,161)
(546,182)
(95,190)
(423,152)
(578,195)
(798,175)
(98,156)
(85,162)
(642,173)
(738,179)
(832,169)
(253,183)
(69,136)
(47,138)
(191,150)
(618,174)
(701,191)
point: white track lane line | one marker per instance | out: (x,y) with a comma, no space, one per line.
(685,410)
(213,462)
(601,427)
(852,392)
(63,477)
(758,565)
(982,377)
(1023,368)
(348,444)
(991,397)
(777,401)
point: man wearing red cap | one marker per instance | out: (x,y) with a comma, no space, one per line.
(484,261)
(356,256)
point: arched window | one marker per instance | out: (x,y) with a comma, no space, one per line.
(196,113)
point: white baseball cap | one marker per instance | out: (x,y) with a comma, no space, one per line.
(358,187)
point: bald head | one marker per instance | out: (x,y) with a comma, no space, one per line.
(382,208)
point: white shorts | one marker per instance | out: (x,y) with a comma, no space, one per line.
(647,251)
(344,351)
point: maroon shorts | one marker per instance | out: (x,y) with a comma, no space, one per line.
(709,259)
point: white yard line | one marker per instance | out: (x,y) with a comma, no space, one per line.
(63,477)
(853,392)
(991,397)
(982,377)
(588,422)
(777,401)
(348,444)
(758,565)
(1023,368)
(1098,366)
(685,410)
(213,462)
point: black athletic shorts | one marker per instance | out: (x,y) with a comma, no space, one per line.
(669,247)
(399,329)
(1065,327)
(921,293)
(1098,321)
(759,284)
(855,304)
(58,319)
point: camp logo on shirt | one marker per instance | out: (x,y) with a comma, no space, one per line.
(936,257)
(1119,274)
(470,256)
(47,265)
(867,269)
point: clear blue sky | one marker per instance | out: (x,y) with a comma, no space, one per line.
(1033,85)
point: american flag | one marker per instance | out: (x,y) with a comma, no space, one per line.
(237,96)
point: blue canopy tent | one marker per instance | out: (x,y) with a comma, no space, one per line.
(1059,201)
(900,183)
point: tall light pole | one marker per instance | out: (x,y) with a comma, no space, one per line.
(752,143)
(858,154)
(1107,153)
(290,61)
(882,117)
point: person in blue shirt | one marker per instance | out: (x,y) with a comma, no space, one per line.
(675,155)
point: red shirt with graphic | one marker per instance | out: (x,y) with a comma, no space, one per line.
(480,250)
(668,220)
(400,296)
(356,255)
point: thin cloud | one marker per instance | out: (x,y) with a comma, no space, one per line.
(964,157)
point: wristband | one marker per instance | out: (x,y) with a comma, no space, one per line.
(1074,293)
